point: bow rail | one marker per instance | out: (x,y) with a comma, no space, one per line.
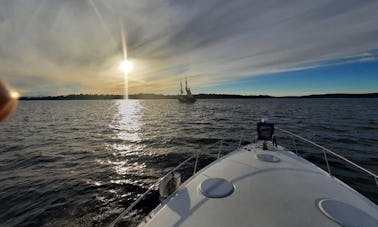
(218,155)
(156,184)
(325,151)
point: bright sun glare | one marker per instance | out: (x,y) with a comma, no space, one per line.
(126,66)
(14,94)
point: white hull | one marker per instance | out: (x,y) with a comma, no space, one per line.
(284,193)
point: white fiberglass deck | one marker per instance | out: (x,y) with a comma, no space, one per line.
(284,193)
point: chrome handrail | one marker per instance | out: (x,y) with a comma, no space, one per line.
(126,211)
(217,156)
(220,149)
(331,152)
(142,196)
(240,141)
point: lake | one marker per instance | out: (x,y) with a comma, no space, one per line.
(79,163)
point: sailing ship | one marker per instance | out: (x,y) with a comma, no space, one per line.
(188,97)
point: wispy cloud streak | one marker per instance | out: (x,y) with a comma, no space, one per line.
(74,46)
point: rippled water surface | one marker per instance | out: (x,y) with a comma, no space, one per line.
(79,163)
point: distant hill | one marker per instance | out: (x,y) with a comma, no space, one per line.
(230,96)
(97,97)
(73,97)
(199,96)
(369,95)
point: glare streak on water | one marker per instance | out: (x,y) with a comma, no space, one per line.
(78,163)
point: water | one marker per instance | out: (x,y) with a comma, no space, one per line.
(79,163)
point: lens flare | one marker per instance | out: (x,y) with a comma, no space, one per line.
(8,101)
(126,66)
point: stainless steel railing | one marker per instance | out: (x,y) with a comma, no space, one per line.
(155,185)
(126,211)
(218,155)
(325,151)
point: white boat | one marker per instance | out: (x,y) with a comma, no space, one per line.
(262,184)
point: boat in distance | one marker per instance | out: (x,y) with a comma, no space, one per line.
(188,97)
(260,184)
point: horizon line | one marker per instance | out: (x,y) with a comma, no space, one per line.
(374,94)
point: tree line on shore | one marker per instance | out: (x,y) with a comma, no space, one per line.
(199,96)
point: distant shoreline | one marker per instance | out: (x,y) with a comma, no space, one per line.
(199,96)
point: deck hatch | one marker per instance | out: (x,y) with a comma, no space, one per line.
(216,188)
(345,214)
(268,158)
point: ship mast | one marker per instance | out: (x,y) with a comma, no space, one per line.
(181,91)
(188,92)
(186,86)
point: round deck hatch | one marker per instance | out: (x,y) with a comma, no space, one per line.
(267,158)
(345,214)
(216,188)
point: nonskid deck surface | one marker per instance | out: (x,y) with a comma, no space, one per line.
(284,193)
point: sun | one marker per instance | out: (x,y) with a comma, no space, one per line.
(126,66)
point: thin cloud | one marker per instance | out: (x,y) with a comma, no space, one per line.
(77,45)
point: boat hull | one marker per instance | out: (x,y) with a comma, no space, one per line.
(272,187)
(186,99)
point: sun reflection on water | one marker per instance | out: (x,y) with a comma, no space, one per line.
(126,148)
(125,153)
(127,120)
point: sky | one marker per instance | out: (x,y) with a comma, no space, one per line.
(272,47)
